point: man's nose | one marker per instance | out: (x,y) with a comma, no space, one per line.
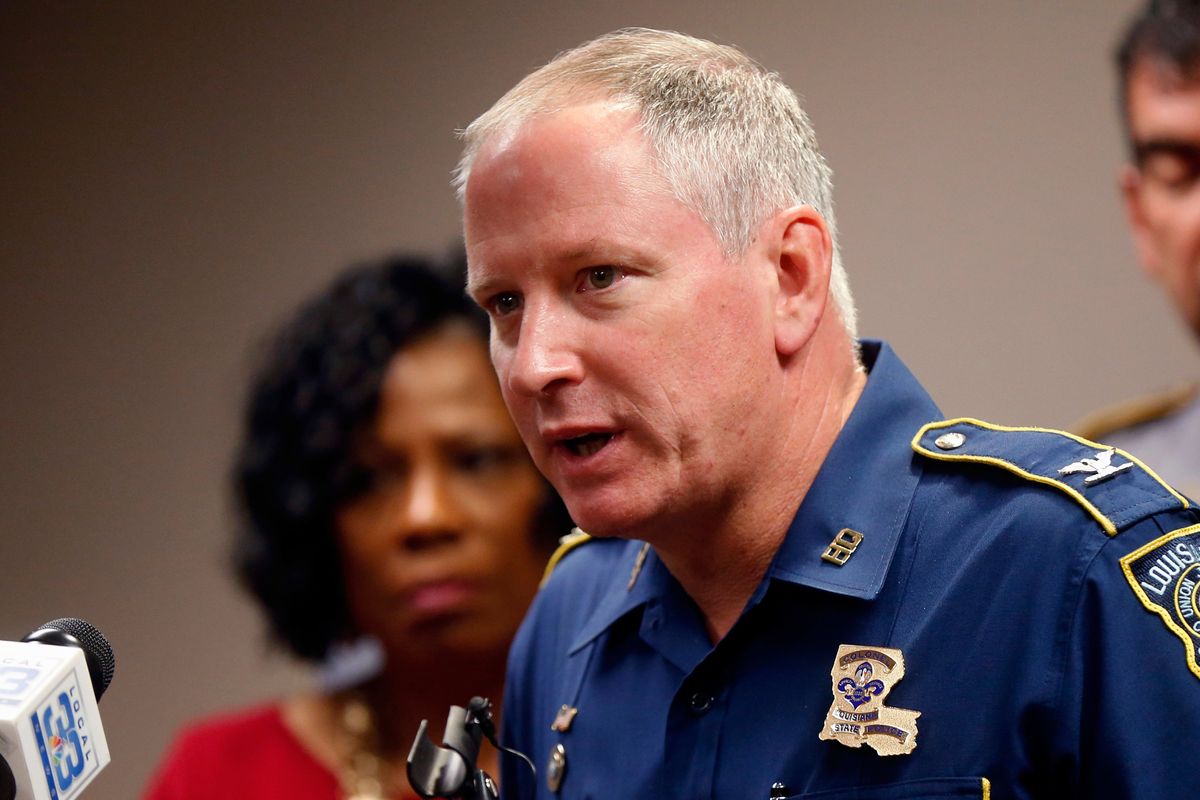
(430,514)
(546,355)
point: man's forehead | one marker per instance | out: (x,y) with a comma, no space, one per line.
(583,106)
(558,167)
(1163,100)
(593,133)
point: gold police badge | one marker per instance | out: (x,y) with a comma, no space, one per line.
(862,677)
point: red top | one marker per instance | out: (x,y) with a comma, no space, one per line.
(246,755)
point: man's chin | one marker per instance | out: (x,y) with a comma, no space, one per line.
(629,506)
(603,523)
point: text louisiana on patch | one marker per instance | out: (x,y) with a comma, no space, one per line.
(1165,574)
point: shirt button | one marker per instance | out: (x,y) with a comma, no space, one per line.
(700,702)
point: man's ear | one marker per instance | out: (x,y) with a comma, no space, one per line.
(803,261)
(1133,191)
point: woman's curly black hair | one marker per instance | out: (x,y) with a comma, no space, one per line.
(296,464)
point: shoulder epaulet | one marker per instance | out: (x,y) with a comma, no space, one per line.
(1113,486)
(565,545)
(1100,424)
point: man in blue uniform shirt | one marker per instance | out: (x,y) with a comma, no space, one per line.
(803,582)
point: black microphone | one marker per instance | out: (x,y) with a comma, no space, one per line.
(52,744)
(450,771)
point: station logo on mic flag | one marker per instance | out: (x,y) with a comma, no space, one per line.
(64,739)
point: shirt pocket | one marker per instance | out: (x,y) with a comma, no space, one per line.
(923,789)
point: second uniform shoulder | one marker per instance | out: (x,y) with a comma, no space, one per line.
(1111,486)
(581,557)
(566,545)
(584,576)
(1137,412)
(583,570)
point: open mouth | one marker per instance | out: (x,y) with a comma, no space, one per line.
(588,444)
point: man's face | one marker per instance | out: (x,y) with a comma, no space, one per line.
(1162,192)
(632,354)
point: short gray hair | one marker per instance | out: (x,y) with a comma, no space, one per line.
(730,137)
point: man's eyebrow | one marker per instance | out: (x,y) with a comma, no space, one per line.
(583,252)
(483,284)
(477,287)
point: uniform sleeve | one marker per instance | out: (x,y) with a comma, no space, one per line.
(1131,697)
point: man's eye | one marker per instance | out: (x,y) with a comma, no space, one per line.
(600,277)
(505,303)
(1176,168)
(1173,172)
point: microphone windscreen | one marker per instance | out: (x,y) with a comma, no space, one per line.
(102,663)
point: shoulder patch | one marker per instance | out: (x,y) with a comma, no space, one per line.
(1165,575)
(565,545)
(1115,488)
(1101,423)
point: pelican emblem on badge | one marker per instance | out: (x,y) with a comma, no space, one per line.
(859,689)
(1099,467)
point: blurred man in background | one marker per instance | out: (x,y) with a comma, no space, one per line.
(1159,72)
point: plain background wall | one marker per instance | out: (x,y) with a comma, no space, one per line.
(177,176)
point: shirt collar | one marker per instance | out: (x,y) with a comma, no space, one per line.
(639,579)
(866,483)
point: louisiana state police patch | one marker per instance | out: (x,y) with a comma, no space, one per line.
(1165,575)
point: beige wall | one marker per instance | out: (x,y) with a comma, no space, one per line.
(177,176)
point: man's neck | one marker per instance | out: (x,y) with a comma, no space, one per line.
(722,573)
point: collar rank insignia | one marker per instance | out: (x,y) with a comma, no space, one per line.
(862,677)
(1099,468)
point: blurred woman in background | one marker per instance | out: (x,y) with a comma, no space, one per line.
(386,494)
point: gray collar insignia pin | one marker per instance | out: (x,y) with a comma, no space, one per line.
(637,567)
(556,769)
(564,718)
(1099,467)
(862,677)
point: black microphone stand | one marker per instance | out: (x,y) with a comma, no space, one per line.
(450,771)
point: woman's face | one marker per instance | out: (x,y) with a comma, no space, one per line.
(437,553)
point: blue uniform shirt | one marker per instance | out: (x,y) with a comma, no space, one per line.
(1045,619)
